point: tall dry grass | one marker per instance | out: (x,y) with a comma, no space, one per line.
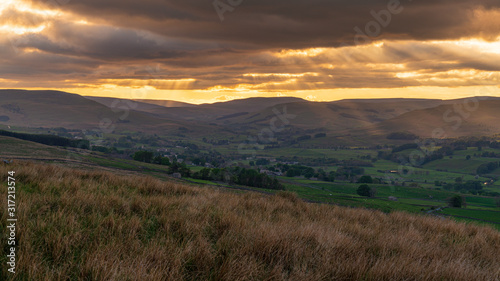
(93,225)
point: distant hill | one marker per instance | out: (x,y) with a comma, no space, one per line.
(217,111)
(202,112)
(345,121)
(166,103)
(135,104)
(50,109)
(454,119)
(251,104)
(335,116)
(387,100)
(60,109)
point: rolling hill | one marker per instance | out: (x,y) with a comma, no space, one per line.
(165,103)
(333,117)
(222,110)
(452,120)
(357,121)
(133,104)
(59,109)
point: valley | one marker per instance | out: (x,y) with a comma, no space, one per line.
(310,152)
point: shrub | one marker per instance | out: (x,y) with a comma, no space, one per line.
(456,201)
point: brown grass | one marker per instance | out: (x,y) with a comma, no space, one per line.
(93,225)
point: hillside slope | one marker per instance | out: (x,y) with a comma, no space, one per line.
(60,109)
(334,116)
(223,110)
(93,225)
(455,120)
(12,147)
(133,104)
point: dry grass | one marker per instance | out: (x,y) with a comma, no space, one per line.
(81,225)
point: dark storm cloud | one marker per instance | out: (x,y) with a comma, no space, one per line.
(292,24)
(106,42)
(91,42)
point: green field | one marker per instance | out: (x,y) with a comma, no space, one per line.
(415,191)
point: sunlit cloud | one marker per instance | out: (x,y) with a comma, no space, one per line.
(179,50)
(19,30)
(305,52)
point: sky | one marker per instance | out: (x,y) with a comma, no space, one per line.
(216,50)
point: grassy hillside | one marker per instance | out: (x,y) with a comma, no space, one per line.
(138,105)
(335,116)
(166,103)
(222,110)
(12,147)
(455,120)
(93,225)
(49,109)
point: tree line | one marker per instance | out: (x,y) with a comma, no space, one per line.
(237,175)
(51,140)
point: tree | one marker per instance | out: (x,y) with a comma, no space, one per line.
(262,162)
(143,156)
(365,179)
(165,161)
(157,159)
(487,168)
(181,168)
(363,190)
(456,201)
(292,173)
(309,173)
(204,173)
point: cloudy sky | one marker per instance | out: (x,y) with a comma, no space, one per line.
(204,50)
